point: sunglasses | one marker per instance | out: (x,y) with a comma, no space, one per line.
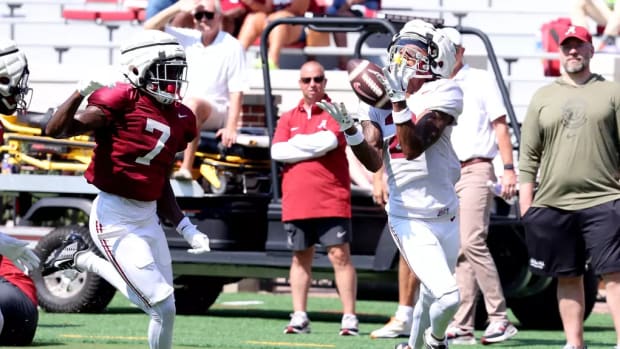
(206,14)
(317,79)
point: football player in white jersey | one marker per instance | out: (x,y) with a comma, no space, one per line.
(413,141)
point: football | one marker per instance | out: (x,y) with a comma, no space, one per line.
(366,85)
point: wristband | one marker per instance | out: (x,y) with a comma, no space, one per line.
(183,224)
(355,139)
(400,117)
(509,167)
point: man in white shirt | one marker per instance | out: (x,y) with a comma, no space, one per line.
(216,67)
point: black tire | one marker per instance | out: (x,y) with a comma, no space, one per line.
(194,295)
(540,311)
(70,291)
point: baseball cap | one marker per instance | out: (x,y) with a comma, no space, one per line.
(578,32)
(453,35)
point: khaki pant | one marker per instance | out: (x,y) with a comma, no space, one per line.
(475,268)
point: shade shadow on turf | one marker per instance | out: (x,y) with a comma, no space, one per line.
(280,314)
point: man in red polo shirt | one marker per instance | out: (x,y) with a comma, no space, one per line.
(316,197)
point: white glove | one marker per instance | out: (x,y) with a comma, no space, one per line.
(101,78)
(395,79)
(196,239)
(19,252)
(338,113)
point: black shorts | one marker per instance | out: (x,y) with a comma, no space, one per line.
(562,243)
(330,231)
(20,316)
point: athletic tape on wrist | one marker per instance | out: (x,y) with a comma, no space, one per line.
(183,224)
(354,139)
(400,117)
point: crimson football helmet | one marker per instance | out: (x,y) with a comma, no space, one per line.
(441,53)
(15,94)
(154,62)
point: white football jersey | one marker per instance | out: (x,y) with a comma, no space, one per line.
(423,187)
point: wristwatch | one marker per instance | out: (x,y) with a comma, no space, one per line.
(509,167)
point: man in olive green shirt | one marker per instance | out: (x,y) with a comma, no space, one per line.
(571,134)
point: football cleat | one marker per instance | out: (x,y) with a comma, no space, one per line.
(64,256)
(393,329)
(430,342)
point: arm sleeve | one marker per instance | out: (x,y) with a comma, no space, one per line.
(494,104)
(237,77)
(531,143)
(304,146)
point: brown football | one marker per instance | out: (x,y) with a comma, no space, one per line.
(366,85)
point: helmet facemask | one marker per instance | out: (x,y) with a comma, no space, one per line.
(166,80)
(411,50)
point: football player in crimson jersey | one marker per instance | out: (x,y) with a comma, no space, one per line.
(413,141)
(138,128)
(18,299)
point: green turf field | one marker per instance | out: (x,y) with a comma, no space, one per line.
(256,321)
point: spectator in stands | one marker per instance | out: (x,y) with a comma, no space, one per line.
(604,13)
(280,36)
(139,125)
(316,198)
(343,8)
(481,131)
(216,65)
(569,145)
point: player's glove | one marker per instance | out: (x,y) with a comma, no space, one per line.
(19,252)
(103,78)
(196,239)
(338,112)
(395,79)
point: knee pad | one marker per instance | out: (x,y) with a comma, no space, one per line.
(449,301)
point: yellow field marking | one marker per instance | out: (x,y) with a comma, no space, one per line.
(79,336)
(291,344)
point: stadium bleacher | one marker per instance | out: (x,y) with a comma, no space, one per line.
(60,49)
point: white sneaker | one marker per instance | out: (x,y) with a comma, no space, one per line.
(298,324)
(498,331)
(431,342)
(394,328)
(457,335)
(348,325)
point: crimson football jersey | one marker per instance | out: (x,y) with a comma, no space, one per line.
(135,151)
(12,274)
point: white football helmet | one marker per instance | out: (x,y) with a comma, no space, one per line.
(441,53)
(14,91)
(154,62)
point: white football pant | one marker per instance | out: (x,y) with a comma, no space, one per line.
(430,247)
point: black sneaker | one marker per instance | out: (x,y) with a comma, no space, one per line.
(64,256)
